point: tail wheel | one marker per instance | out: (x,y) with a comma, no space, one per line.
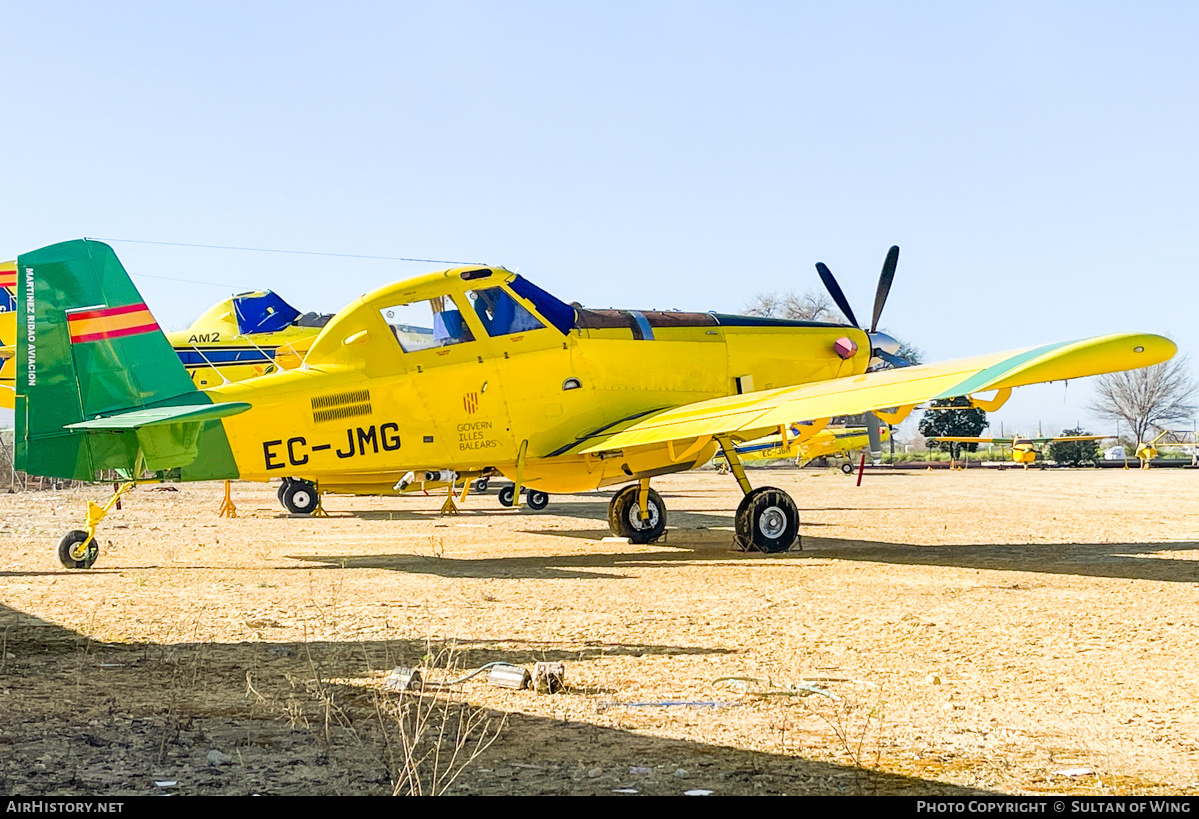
(481,484)
(767,521)
(624,516)
(507,495)
(72,553)
(847,468)
(537,500)
(300,497)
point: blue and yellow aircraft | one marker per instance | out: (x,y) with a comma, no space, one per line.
(243,336)
(510,380)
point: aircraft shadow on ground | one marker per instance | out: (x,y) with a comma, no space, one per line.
(110,719)
(543,567)
(1129,561)
(592,510)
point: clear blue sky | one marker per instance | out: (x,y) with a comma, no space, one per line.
(1036,162)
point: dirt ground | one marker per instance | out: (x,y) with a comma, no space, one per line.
(982,631)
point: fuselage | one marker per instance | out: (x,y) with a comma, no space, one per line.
(510,379)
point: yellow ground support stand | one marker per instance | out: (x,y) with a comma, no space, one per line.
(227,510)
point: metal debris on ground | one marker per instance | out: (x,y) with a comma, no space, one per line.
(802,689)
(604,706)
(504,675)
(549,678)
(403,678)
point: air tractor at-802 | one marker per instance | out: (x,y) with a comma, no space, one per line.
(465,373)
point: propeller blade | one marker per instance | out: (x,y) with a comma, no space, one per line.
(884,284)
(834,290)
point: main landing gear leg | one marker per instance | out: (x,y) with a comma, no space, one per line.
(767,518)
(79,549)
(638,513)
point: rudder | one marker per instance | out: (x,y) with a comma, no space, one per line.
(87,347)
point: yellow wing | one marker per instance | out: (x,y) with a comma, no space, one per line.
(752,415)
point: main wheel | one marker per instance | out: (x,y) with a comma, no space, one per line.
(72,554)
(767,520)
(300,497)
(624,516)
(507,495)
(282,486)
(847,468)
(481,484)
(537,500)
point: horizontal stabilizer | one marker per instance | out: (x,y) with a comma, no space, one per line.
(160,416)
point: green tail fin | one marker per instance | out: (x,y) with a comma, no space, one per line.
(87,347)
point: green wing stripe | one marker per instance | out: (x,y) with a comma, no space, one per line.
(979,381)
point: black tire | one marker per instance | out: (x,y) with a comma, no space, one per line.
(537,500)
(300,497)
(481,484)
(282,486)
(507,495)
(68,551)
(767,521)
(624,516)
(847,468)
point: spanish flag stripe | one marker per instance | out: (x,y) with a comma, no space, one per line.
(8,280)
(112,322)
(81,327)
(104,312)
(117,333)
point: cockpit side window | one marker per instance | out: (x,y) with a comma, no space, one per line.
(501,314)
(434,322)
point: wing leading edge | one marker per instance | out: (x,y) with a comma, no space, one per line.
(754,414)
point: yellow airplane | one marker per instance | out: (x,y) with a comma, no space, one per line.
(1148,451)
(1024,450)
(8,332)
(244,336)
(510,381)
(829,442)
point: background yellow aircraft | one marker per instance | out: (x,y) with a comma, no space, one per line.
(828,442)
(511,380)
(8,332)
(1147,451)
(1024,450)
(244,336)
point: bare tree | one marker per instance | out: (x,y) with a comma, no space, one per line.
(811,306)
(1148,398)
